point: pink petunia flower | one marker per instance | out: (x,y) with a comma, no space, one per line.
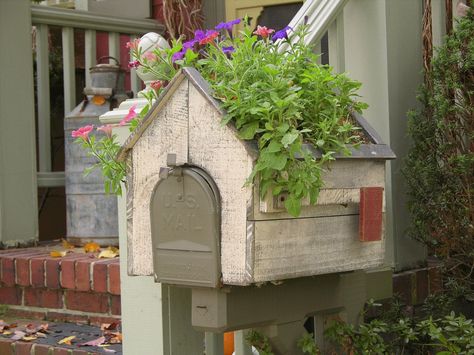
(134,64)
(150,56)
(107,129)
(210,36)
(130,115)
(263,31)
(133,44)
(82,132)
(157,84)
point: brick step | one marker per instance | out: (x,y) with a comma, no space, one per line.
(78,287)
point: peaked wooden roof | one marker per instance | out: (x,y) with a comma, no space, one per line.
(377,150)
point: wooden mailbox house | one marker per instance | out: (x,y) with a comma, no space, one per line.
(193,221)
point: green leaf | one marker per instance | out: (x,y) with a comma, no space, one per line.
(283,128)
(289,138)
(293,206)
(248,131)
(276,161)
(273,147)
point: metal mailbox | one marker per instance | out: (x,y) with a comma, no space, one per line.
(185,228)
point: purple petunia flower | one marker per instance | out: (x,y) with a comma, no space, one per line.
(178,55)
(228,25)
(199,35)
(189,44)
(228,50)
(281,34)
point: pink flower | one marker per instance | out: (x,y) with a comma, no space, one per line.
(134,64)
(157,84)
(263,31)
(107,129)
(130,115)
(210,36)
(133,44)
(150,56)
(82,132)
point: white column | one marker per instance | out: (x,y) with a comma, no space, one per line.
(18,190)
(383,51)
(69,69)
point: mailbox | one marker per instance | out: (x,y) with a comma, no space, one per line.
(185,228)
(193,220)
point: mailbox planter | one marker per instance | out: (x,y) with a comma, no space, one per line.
(192,221)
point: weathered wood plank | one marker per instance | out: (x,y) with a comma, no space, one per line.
(311,246)
(167,133)
(217,150)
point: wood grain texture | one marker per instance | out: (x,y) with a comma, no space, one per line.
(167,133)
(311,246)
(216,149)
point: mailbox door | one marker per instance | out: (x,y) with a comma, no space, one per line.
(185,227)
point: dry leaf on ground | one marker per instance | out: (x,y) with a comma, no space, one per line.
(91,247)
(108,254)
(95,342)
(67,340)
(29,338)
(17,335)
(58,253)
(109,326)
(66,245)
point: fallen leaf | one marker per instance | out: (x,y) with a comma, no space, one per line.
(109,326)
(98,100)
(67,340)
(116,338)
(57,253)
(91,247)
(43,328)
(95,342)
(6,332)
(41,335)
(109,350)
(17,335)
(108,254)
(66,245)
(29,338)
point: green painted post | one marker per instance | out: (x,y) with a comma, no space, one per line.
(241,346)
(18,188)
(214,343)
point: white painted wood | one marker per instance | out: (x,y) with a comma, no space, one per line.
(336,44)
(88,20)
(311,246)
(135,82)
(217,150)
(44,111)
(51,179)
(114,46)
(90,53)
(167,133)
(69,69)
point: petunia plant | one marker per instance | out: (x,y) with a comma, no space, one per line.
(274,92)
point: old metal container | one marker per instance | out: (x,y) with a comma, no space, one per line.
(91,214)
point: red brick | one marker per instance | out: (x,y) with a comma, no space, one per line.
(68,273)
(42,297)
(403,287)
(22,348)
(98,321)
(37,271)
(6,347)
(80,352)
(20,313)
(23,271)
(370,214)
(10,295)
(87,302)
(41,349)
(52,268)
(82,273)
(59,351)
(8,271)
(66,317)
(114,279)
(99,275)
(115,305)
(422,285)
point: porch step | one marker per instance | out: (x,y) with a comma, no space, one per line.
(78,287)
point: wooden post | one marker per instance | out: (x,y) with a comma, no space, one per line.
(18,189)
